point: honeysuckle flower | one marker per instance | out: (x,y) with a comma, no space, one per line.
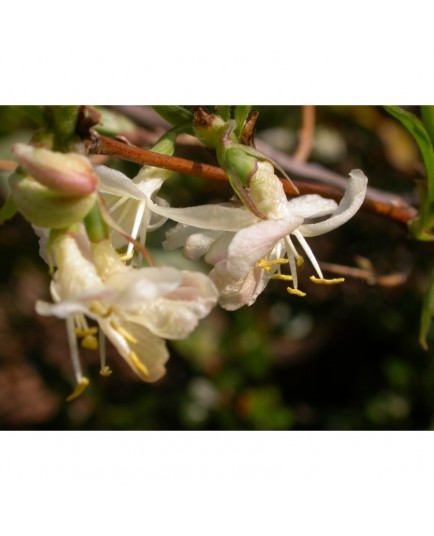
(127,200)
(245,260)
(135,308)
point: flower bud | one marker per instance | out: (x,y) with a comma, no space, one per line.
(208,128)
(43,207)
(242,163)
(65,173)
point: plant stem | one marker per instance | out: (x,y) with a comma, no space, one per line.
(382,203)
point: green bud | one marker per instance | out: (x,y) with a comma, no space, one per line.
(243,164)
(66,173)
(209,128)
(46,208)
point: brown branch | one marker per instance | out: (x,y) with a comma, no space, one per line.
(368,275)
(377,201)
(305,134)
(7,165)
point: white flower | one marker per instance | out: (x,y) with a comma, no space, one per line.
(247,257)
(127,200)
(135,308)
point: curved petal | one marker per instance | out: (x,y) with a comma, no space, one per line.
(349,205)
(116,183)
(311,206)
(214,217)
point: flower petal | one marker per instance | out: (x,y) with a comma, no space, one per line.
(251,244)
(177,314)
(311,206)
(116,183)
(217,217)
(235,293)
(146,357)
(349,205)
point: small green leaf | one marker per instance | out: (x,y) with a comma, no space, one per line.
(427,113)
(427,315)
(422,138)
(241,113)
(166,144)
(175,115)
(224,112)
(113,123)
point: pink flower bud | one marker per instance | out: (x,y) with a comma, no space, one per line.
(66,173)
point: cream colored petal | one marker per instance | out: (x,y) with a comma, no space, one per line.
(147,356)
(349,205)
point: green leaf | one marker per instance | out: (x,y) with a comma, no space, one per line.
(422,138)
(428,120)
(241,113)
(427,315)
(113,123)
(224,112)
(8,210)
(175,115)
(166,144)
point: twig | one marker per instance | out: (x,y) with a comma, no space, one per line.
(389,280)
(305,134)
(7,165)
(377,201)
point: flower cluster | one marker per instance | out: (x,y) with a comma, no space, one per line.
(93,223)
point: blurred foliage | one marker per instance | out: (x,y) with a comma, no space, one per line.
(342,358)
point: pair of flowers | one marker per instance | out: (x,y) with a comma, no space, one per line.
(137,308)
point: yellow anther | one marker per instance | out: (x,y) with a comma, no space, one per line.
(321,281)
(105,371)
(296,292)
(300,261)
(266,265)
(125,257)
(90,342)
(124,333)
(132,356)
(85,332)
(100,310)
(283,277)
(79,388)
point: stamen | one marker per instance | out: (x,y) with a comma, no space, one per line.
(132,356)
(79,332)
(136,226)
(124,333)
(266,265)
(296,292)
(125,257)
(97,308)
(292,254)
(90,342)
(79,388)
(73,348)
(105,371)
(309,252)
(118,203)
(283,277)
(322,281)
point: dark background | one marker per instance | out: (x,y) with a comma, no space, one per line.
(342,358)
